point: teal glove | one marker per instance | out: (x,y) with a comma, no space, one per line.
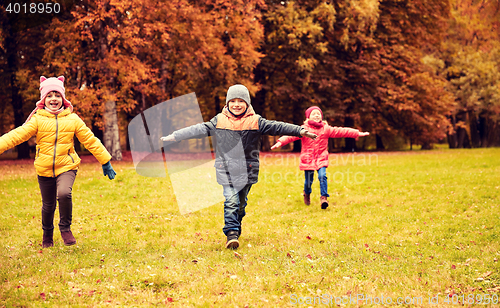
(108,170)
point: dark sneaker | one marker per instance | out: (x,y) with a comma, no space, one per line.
(307,198)
(324,202)
(68,238)
(232,240)
(48,240)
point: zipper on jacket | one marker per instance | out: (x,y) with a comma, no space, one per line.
(37,154)
(71,156)
(55,148)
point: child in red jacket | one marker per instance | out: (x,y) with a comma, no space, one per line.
(314,154)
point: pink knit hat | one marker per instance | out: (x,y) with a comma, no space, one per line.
(310,109)
(48,85)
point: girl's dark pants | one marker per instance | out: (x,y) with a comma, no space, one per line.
(53,190)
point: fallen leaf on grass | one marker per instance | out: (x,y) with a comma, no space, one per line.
(486,274)
(42,295)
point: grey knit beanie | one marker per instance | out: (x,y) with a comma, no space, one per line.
(238,91)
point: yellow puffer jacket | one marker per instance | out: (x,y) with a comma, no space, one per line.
(55,151)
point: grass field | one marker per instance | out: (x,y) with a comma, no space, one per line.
(421,228)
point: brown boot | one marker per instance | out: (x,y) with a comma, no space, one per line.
(307,198)
(324,202)
(68,238)
(48,239)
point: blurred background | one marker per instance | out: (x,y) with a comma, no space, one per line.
(416,74)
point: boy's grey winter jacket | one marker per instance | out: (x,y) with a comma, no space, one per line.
(237,143)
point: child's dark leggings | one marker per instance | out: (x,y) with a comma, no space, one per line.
(53,190)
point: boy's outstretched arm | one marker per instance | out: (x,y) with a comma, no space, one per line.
(169,138)
(199,130)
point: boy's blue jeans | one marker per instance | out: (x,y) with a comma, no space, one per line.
(323,183)
(234,207)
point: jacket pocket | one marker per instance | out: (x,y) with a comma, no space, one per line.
(71,157)
(306,158)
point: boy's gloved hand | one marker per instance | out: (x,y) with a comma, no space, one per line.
(108,170)
(277,145)
(306,133)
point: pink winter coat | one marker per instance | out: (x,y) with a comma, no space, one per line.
(314,154)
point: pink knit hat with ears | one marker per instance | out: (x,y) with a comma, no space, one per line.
(310,109)
(48,85)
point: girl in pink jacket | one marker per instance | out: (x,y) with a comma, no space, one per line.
(314,154)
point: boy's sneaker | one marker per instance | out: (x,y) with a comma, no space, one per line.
(307,198)
(324,202)
(232,240)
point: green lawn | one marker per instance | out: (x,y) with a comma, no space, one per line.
(410,226)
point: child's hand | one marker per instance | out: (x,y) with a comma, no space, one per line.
(362,134)
(308,134)
(277,145)
(168,138)
(108,170)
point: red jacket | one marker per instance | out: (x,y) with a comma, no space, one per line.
(314,154)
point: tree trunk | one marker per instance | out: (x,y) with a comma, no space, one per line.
(350,143)
(380,144)
(217,107)
(297,116)
(474,132)
(111,131)
(483,130)
(452,138)
(23,150)
(331,144)
(463,140)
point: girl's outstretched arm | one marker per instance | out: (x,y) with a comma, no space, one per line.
(90,141)
(18,135)
(345,132)
(287,139)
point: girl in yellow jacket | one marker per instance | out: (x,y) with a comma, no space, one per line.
(56,162)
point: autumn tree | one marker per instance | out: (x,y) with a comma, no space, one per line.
(293,46)
(469,59)
(386,88)
(21,52)
(99,49)
(361,62)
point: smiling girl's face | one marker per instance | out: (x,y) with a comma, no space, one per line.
(53,101)
(315,115)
